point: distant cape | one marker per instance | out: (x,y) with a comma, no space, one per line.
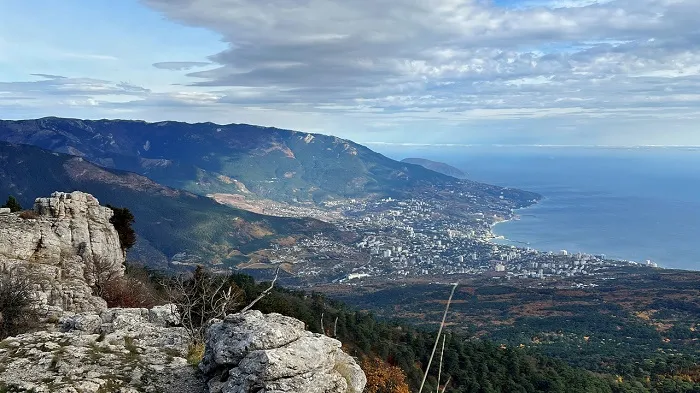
(437,167)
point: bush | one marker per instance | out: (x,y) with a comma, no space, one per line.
(28,214)
(18,312)
(128,292)
(134,290)
(202,296)
(383,377)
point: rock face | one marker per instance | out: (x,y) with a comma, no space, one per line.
(252,352)
(64,247)
(118,350)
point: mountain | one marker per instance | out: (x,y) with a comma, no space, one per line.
(438,167)
(208,158)
(171,224)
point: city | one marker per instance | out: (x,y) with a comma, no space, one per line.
(394,239)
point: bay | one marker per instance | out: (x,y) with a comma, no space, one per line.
(627,203)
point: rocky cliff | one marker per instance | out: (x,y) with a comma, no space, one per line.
(65,247)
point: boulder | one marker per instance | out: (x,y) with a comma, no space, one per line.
(251,352)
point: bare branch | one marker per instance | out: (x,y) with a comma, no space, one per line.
(263,294)
(201,297)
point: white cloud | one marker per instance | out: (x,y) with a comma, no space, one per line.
(390,53)
(391,65)
(179,65)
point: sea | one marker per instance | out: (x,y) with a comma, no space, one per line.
(636,204)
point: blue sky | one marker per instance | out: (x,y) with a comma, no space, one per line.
(610,72)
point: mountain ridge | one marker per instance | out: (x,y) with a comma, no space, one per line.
(171,224)
(208,158)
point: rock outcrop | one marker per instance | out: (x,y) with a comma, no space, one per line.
(252,352)
(118,350)
(64,247)
(140,350)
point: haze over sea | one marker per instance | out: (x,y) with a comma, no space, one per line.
(626,203)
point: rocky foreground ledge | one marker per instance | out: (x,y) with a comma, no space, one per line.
(63,247)
(139,350)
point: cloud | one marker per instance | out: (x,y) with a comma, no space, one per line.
(49,76)
(526,70)
(452,59)
(89,56)
(54,91)
(179,65)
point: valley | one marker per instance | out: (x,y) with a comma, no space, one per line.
(383,236)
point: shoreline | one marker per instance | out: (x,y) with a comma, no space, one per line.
(492,236)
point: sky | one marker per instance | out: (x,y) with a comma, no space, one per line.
(553,72)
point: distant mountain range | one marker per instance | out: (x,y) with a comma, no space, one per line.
(439,167)
(163,171)
(208,158)
(171,224)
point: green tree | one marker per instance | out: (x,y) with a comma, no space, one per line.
(12,204)
(122,220)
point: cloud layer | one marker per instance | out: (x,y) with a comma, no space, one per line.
(563,65)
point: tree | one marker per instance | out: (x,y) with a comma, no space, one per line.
(122,220)
(12,204)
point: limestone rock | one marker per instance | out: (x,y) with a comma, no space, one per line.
(64,250)
(252,352)
(118,350)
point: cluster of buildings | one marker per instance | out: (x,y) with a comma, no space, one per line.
(397,238)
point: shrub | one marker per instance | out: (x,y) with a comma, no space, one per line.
(28,214)
(202,296)
(383,377)
(135,289)
(195,353)
(128,292)
(18,312)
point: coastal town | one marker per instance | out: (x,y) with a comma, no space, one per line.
(398,239)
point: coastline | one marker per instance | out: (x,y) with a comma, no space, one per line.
(517,214)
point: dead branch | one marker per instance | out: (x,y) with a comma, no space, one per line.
(263,294)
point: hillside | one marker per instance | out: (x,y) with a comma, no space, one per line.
(171,224)
(439,167)
(637,323)
(207,158)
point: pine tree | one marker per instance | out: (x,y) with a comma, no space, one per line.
(12,204)
(122,220)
